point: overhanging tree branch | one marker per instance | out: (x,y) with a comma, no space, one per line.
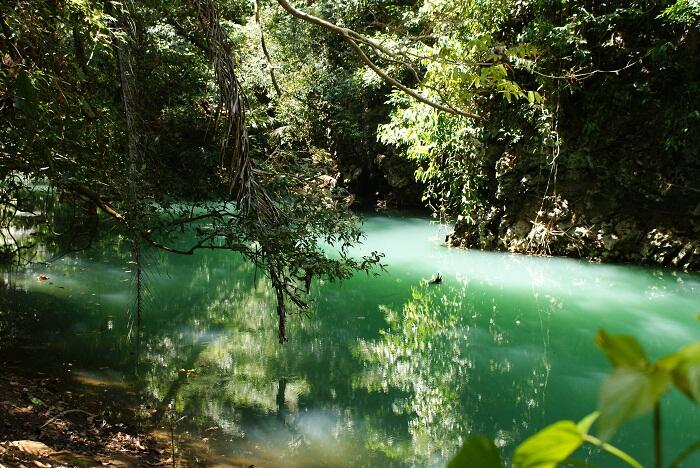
(352,38)
(147,236)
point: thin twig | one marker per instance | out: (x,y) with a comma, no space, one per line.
(63,413)
(263,45)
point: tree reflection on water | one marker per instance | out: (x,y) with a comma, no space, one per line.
(456,370)
(358,384)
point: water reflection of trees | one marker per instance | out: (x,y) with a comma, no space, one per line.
(209,312)
(293,402)
(451,361)
(39,227)
(457,370)
(444,366)
(222,331)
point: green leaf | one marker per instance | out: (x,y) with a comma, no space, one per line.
(684,366)
(36,401)
(622,350)
(548,447)
(628,393)
(26,98)
(477,452)
(686,378)
(584,425)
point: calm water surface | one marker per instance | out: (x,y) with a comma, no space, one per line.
(386,371)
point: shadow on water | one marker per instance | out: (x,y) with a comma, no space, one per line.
(387,371)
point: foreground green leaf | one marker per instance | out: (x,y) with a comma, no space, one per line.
(477,452)
(36,401)
(584,425)
(550,446)
(684,366)
(628,393)
(622,350)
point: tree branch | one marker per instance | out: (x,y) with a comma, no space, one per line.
(263,45)
(146,235)
(352,37)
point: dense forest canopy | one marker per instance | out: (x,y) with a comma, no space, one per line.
(560,127)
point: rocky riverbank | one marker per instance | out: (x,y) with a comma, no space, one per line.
(562,231)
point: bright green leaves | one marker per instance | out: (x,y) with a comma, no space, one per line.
(584,425)
(685,12)
(628,393)
(477,451)
(634,388)
(636,385)
(546,449)
(622,350)
(94,15)
(551,445)
(534,97)
(36,401)
(684,366)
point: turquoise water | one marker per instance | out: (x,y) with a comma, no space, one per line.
(384,371)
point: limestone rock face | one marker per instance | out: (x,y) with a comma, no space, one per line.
(562,230)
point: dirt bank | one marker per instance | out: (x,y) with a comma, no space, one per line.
(45,421)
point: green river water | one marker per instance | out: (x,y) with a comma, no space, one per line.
(386,371)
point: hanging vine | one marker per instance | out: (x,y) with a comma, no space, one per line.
(129,89)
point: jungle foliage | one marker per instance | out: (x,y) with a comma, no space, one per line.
(550,127)
(562,127)
(136,111)
(587,143)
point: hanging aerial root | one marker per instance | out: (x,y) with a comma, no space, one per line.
(136,256)
(134,128)
(234,140)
